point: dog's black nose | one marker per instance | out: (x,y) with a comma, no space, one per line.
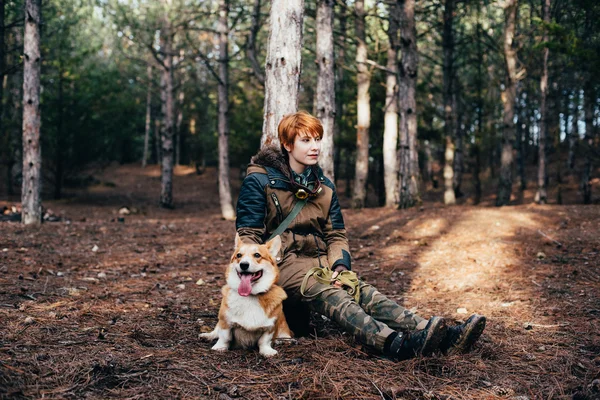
(244,265)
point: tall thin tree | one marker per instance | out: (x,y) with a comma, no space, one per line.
(251,43)
(589,104)
(147,126)
(282,70)
(325,96)
(448,47)
(508,101)
(32,152)
(408,155)
(541,195)
(339,83)
(574,136)
(390,129)
(168,107)
(224,188)
(363,109)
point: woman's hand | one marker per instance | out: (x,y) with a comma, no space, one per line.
(336,272)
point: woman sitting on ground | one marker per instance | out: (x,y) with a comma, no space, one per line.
(315,262)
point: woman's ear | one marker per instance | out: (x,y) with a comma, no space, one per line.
(287,147)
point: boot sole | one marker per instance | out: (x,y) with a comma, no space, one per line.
(436,331)
(469,336)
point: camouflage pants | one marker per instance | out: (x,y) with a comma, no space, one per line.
(371,320)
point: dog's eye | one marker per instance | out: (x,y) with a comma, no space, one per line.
(256,255)
(238,255)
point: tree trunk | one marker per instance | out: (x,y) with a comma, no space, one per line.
(60,141)
(428,169)
(325,96)
(251,45)
(448,47)
(339,81)
(282,72)
(449,197)
(148,117)
(409,157)
(166,193)
(363,110)
(2,68)
(574,136)
(522,137)
(458,165)
(479,131)
(225,200)
(588,143)
(32,152)
(390,131)
(508,101)
(179,121)
(157,125)
(541,195)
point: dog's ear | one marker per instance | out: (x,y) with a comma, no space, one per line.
(237,240)
(274,245)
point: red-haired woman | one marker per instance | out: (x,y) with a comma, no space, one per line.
(278,179)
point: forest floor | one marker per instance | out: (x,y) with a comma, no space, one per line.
(103,305)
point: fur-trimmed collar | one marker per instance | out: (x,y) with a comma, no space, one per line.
(271,156)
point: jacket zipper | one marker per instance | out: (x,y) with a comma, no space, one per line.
(278,207)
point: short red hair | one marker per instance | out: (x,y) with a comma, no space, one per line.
(298,123)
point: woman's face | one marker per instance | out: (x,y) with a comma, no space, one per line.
(305,152)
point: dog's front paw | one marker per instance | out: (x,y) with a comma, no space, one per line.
(268,351)
(220,347)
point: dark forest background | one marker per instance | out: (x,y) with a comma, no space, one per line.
(95,82)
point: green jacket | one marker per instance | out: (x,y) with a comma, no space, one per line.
(267,197)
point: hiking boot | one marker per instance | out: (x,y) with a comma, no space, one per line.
(460,338)
(419,343)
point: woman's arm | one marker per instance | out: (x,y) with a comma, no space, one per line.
(338,250)
(252,208)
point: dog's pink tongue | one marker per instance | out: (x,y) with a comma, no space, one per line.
(245,287)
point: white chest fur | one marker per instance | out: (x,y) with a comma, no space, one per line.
(247,313)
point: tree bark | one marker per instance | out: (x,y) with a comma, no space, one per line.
(225,199)
(32,153)
(282,72)
(363,109)
(325,96)
(390,130)
(448,48)
(166,193)
(148,116)
(408,157)
(541,195)
(508,101)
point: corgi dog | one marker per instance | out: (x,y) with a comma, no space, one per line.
(251,312)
